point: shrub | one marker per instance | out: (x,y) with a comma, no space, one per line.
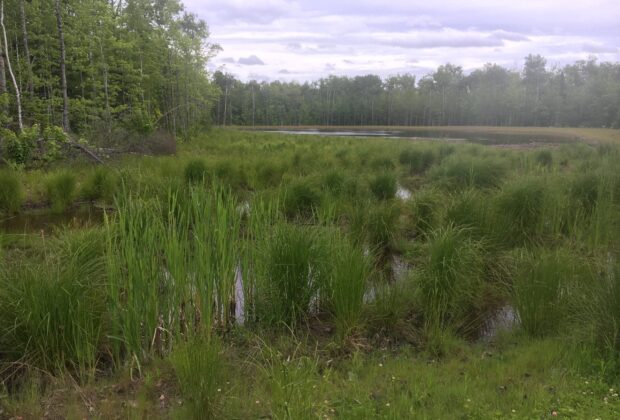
(60,191)
(100,185)
(301,199)
(195,171)
(384,186)
(10,192)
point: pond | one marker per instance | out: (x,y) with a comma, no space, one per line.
(44,220)
(456,134)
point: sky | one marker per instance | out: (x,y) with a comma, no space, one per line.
(270,40)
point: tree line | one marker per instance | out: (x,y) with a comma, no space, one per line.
(92,67)
(585,93)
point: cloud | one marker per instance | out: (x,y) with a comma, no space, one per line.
(363,36)
(251,61)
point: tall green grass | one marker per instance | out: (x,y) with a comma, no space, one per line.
(450,282)
(61,191)
(199,369)
(100,185)
(11,195)
(462,171)
(292,271)
(384,186)
(542,288)
(349,271)
(52,311)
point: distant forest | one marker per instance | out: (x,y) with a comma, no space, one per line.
(583,94)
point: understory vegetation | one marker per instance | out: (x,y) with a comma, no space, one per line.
(269,275)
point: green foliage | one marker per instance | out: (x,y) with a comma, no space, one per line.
(61,191)
(426,208)
(195,171)
(384,186)
(10,192)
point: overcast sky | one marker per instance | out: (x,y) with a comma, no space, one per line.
(307,40)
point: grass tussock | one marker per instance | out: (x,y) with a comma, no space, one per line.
(61,191)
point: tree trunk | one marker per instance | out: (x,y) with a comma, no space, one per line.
(29,81)
(63,72)
(8,62)
(2,70)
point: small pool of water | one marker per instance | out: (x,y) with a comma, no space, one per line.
(46,221)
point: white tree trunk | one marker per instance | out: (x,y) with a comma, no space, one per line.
(8,63)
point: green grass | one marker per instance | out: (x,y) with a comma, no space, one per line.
(383,186)
(309,231)
(10,192)
(61,191)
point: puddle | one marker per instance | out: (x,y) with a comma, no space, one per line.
(37,221)
(504,319)
(239,297)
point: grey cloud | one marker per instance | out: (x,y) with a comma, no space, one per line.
(229,60)
(330,67)
(450,41)
(284,71)
(251,61)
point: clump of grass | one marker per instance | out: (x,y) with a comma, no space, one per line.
(349,272)
(291,272)
(60,191)
(389,310)
(584,191)
(375,226)
(384,186)
(461,171)
(269,174)
(334,182)
(195,171)
(520,208)
(301,199)
(544,158)
(451,287)
(229,174)
(426,210)
(418,161)
(52,310)
(199,371)
(541,289)
(10,192)
(382,163)
(469,209)
(100,185)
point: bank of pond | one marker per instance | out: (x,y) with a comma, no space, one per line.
(300,257)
